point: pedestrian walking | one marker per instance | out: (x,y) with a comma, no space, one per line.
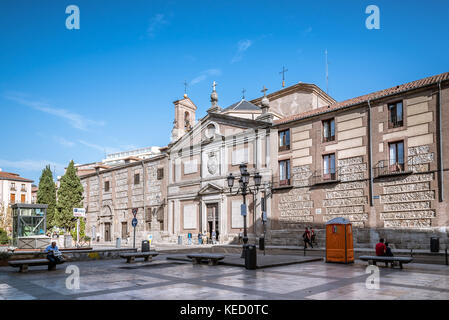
(240,236)
(312,236)
(200,238)
(306,238)
(214,234)
(189,238)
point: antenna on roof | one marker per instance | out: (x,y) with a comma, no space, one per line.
(327,74)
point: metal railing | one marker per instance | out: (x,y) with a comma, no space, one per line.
(395,123)
(325,176)
(277,182)
(386,168)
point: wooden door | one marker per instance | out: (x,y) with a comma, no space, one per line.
(107,232)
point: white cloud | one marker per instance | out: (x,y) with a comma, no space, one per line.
(204,75)
(32,165)
(242,46)
(307,31)
(156,23)
(77,121)
(97,147)
(64,142)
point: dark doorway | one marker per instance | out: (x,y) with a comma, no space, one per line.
(107,231)
(212,219)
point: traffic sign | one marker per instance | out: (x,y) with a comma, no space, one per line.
(243,209)
(79,212)
(264,216)
(135,212)
(134,222)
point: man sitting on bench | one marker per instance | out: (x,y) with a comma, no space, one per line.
(53,254)
(380,248)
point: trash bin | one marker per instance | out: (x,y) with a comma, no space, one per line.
(118,243)
(145,246)
(179,239)
(251,257)
(261,243)
(434,244)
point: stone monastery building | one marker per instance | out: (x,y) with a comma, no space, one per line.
(380,160)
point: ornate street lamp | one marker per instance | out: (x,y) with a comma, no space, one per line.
(244,189)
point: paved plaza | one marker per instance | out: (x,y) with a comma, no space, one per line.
(169,280)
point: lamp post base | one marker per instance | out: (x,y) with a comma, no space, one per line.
(245,246)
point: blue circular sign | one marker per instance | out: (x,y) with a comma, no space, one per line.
(134,222)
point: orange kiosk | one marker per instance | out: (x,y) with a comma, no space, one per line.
(339,243)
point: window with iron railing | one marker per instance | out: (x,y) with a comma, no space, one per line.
(284,140)
(329,172)
(328,130)
(23,188)
(13,186)
(396,161)
(284,172)
(395,115)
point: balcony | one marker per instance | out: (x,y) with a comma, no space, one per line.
(278,183)
(386,169)
(320,177)
(395,123)
(328,138)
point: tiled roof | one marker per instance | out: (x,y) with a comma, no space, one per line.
(12,176)
(371,96)
(242,105)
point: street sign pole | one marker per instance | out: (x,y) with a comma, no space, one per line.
(134,223)
(134,241)
(78,232)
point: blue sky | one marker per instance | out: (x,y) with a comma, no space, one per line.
(109,86)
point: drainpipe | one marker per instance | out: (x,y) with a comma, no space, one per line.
(143,191)
(370,156)
(440,148)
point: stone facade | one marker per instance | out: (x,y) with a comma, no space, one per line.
(111,194)
(405,205)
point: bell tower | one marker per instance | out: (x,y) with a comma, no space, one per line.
(184,117)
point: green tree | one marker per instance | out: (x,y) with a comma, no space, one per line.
(4,239)
(46,194)
(70,195)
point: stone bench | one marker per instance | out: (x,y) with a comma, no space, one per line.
(212,258)
(24,264)
(373,259)
(131,256)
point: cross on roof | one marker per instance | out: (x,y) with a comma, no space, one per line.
(214,84)
(185,87)
(243,93)
(264,90)
(283,75)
